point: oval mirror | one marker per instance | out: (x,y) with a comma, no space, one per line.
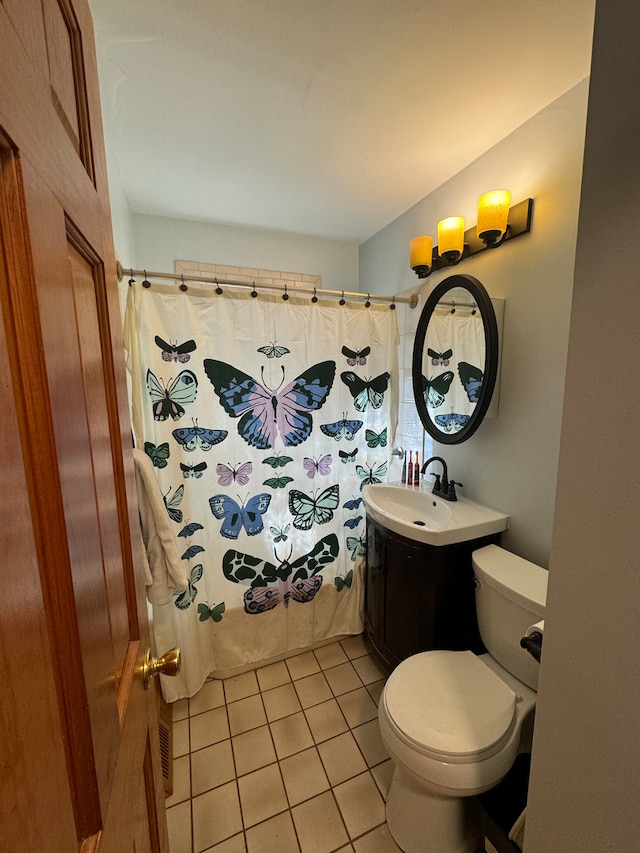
(455,359)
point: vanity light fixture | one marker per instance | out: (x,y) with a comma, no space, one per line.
(497,223)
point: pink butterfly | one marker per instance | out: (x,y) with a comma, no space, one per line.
(239,473)
(321,466)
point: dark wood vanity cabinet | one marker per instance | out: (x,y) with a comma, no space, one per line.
(418,596)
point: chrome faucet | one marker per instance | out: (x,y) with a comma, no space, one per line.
(443,487)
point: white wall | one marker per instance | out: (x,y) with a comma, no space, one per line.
(585,781)
(511,462)
(160,240)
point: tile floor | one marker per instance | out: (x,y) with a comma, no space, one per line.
(284,759)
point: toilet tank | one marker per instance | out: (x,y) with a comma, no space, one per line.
(511,595)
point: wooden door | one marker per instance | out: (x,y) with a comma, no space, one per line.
(79,753)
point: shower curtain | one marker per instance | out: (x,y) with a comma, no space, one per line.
(264,419)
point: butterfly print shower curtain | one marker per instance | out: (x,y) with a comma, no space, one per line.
(264,419)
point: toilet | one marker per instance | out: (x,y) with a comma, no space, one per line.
(452,721)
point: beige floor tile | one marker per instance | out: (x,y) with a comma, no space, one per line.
(276,835)
(211,767)
(246,714)
(360,803)
(331,655)
(216,816)
(342,678)
(368,669)
(358,707)
(209,727)
(240,686)
(370,742)
(231,845)
(291,734)
(253,749)
(312,690)
(180,709)
(280,702)
(262,795)
(377,841)
(304,776)
(375,690)
(302,665)
(326,720)
(356,646)
(181,781)
(180,738)
(383,773)
(273,675)
(210,696)
(319,825)
(179,825)
(341,758)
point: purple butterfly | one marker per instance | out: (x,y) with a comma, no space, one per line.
(265,413)
(240,473)
(315,466)
(175,352)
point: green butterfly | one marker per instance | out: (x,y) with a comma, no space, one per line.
(277,461)
(342,582)
(277,482)
(375,440)
(214,613)
(158,455)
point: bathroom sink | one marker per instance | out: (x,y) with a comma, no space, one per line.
(414,512)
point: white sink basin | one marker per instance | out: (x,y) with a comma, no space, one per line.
(414,512)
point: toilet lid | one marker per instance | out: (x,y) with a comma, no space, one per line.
(449,702)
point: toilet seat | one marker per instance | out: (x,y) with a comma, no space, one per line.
(449,704)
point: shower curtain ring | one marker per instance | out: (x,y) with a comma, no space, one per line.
(131,279)
(218,288)
(453,309)
(183,286)
(474,310)
(285,295)
(254,292)
(314,298)
(392,307)
(145,283)
(367,304)
(342,302)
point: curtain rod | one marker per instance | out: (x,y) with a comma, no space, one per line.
(411,301)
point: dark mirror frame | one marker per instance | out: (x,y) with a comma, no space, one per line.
(480,296)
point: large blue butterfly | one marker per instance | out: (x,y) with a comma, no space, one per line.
(265,413)
(271,585)
(308,511)
(434,390)
(235,517)
(452,422)
(195,437)
(471,378)
(341,429)
(170,400)
(365,392)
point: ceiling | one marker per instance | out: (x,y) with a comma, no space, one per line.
(327,118)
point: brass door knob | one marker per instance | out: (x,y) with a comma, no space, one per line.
(168,664)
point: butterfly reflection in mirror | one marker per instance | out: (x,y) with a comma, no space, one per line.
(236,516)
(175,352)
(452,422)
(471,378)
(344,428)
(266,413)
(434,390)
(439,357)
(366,392)
(271,585)
(356,356)
(168,401)
(198,438)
